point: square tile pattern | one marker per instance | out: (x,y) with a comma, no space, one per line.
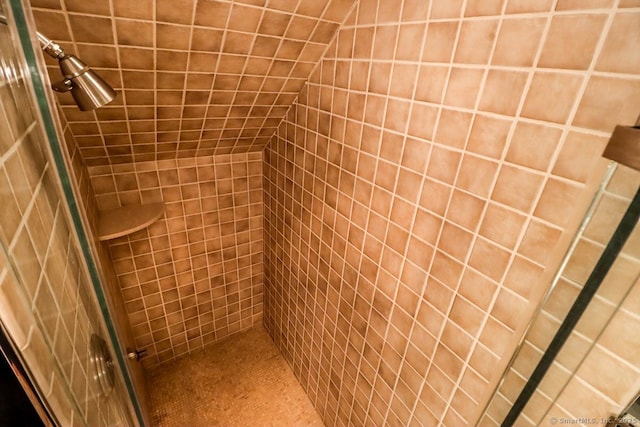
(194,276)
(194,77)
(431,158)
(416,189)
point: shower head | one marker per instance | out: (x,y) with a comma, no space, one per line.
(88,89)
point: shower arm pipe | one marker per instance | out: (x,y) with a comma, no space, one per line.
(52,48)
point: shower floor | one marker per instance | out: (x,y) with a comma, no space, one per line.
(242,381)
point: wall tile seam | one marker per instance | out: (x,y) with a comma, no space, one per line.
(23,228)
(124,18)
(272,64)
(217,66)
(331,42)
(465,66)
(473,154)
(504,16)
(18,142)
(461,190)
(426,242)
(506,118)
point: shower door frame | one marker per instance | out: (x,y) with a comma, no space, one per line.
(44,101)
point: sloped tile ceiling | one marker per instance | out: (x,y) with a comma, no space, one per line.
(194,77)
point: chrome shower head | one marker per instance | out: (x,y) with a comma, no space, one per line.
(88,89)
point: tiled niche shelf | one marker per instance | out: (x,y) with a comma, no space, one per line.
(113,223)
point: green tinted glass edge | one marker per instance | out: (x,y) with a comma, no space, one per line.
(63,174)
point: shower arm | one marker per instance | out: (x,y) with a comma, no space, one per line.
(52,48)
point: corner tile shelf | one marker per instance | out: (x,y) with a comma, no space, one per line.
(113,223)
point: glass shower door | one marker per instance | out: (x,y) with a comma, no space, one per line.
(595,374)
(48,307)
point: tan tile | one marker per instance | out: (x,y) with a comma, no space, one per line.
(518,42)
(498,84)
(522,276)
(57,27)
(409,37)
(577,157)
(538,241)
(385,41)
(579,5)
(571,41)
(431,83)
(476,175)
(140,59)
(138,10)
(435,196)
(465,209)
(608,101)
(172,36)
(488,136)
(517,188)
(562,87)
(463,87)
(483,8)
(453,128)
(489,259)
(414,10)
(422,121)
(495,335)
(455,241)
(446,9)
(502,225)
(91,29)
(508,308)
(620,39)
(244,18)
(443,164)
(83,7)
(533,146)
(440,41)
(557,202)
(134,33)
(475,41)
(180,11)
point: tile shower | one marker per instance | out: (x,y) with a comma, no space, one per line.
(387,186)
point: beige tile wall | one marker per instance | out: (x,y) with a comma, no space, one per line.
(194,276)
(193,77)
(45,299)
(599,362)
(417,191)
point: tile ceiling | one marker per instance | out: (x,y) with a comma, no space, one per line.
(194,77)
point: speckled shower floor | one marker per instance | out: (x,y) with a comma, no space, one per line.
(242,381)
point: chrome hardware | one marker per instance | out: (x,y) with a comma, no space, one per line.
(136,354)
(103,370)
